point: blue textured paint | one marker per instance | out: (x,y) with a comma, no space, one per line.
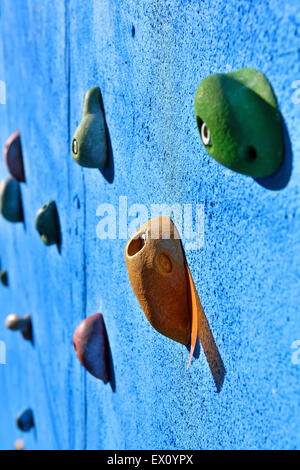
(148,58)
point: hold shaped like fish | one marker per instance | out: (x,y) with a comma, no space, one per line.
(239,122)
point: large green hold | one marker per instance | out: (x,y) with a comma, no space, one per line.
(89,145)
(239,122)
(11,201)
(47,224)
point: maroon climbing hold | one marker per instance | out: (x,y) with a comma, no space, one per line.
(13,157)
(91,346)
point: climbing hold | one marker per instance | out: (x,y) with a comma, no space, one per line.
(155,263)
(24,420)
(89,145)
(4,278)
(47,224)
(19,444)
(13,157)
(162,282)
(91,346)
(10,200)
(15,323)
(239,122)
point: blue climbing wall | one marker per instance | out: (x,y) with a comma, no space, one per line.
(148,58)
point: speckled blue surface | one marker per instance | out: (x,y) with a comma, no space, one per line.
(148,58)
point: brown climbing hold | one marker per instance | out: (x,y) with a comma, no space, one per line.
(156,266)
(164,286)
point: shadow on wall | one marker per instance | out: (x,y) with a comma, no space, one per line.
(59,235)
(109,171)
(112,378)
(280,179)
(211,351)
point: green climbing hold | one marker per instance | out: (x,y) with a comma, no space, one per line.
(47,224)
(4,278)
(89,145)
(10,200)
(239,122)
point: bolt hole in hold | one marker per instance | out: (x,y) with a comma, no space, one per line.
(251,153)
(205,134)
(137,244)
(75,146)
(204,131)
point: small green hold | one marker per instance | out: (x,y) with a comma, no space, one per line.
(4,278)
(47,224)
(239,122)
(89,145)
(11,201)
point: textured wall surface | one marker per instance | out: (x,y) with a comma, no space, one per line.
(148,58)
